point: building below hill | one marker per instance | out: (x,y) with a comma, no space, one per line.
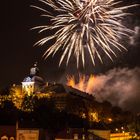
(11,132)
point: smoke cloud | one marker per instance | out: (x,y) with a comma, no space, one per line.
(134,39)
(119,86)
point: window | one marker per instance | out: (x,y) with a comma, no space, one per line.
(83,137)
(75,136)
(4,138)
(90,137)
(12,138)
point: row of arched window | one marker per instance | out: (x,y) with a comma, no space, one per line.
(7,138)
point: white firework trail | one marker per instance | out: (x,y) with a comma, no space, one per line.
(83,24)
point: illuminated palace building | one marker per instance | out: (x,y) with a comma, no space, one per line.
(63,96)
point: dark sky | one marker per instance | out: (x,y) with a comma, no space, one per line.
(17,53)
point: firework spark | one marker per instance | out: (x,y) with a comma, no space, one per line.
(80,25)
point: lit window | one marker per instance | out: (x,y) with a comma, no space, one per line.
(4,138)
(83,137)
(75,136)
(12,138)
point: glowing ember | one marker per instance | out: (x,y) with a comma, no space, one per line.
(85,83)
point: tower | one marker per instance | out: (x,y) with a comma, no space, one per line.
(28,85)
(32,83)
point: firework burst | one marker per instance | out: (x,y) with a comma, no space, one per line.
(80,25)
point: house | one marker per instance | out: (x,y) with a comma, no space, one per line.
(77,134)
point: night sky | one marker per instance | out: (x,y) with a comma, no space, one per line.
(17,53)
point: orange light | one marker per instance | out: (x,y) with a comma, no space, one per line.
(110,119)
(70,81)
(85,84)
